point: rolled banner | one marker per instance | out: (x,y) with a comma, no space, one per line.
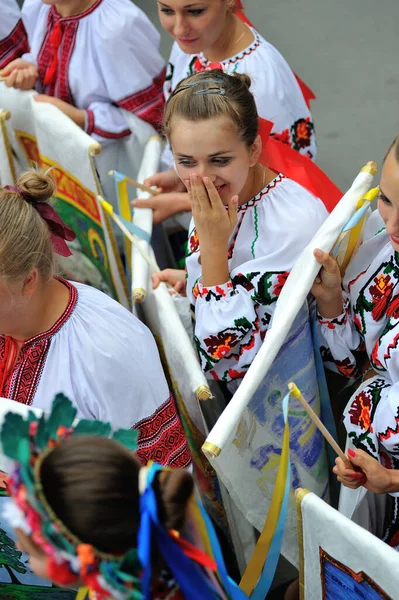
(290,301)
(142,217)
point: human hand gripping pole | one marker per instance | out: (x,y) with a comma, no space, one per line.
(292,297)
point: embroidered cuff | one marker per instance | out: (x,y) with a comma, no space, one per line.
(342,319)
(89,121)
(216,292)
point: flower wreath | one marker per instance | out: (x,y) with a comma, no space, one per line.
(27,442)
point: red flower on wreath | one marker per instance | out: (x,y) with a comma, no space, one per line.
(199,67)
(360,411)
(283,136)
(220,345)
(301,133)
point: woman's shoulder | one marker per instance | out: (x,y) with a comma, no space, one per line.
(33,12)
(284,196)
(97,312)
(115,18)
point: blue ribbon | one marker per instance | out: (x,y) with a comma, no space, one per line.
(187,574)
(229,586)
(265,581)
(353,221)
(135,230)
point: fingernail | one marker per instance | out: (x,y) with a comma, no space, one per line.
(352,453)
(206,180)
(318,280)
(317,253)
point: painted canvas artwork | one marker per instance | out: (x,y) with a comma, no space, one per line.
(340,582)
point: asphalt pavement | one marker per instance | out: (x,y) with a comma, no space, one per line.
(347,52)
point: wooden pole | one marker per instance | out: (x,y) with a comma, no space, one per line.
(294,391)
(138,185)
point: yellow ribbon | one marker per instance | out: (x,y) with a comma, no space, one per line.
(258,558)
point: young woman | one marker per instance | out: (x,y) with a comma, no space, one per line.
(210,35)
(360,329)
(93,58)
(87,513)
(57,336)
(13,38)
(238,259)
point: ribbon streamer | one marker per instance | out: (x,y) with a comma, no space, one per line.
(260,571)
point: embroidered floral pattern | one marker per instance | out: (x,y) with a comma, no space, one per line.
(193,243)
(283,136)
(221,344)
(360,411)
(347,368)
(301,133)
(359,420)
(269,287)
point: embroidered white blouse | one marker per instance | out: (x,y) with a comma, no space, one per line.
(232,319)
(369,327)
(107,363)
(108,59)
(275,88)
(13,39)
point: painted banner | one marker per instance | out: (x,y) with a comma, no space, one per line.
(340,560)
(7,162)
(249,463)
(70,155)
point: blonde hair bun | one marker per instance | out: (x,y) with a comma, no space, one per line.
(37,185)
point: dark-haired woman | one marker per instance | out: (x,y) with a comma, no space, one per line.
(57,336)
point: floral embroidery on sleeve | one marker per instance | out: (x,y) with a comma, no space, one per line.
(301,133)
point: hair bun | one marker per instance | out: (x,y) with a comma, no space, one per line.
(244,78)
(37,185)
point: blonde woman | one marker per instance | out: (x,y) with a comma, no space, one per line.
(57,336)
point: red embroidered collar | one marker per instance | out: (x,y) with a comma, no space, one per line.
(229,61)
(270,186)
(73,298)
(58,17)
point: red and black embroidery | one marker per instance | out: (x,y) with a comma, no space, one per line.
(301,132)
(269,287)
(59,87)
(217,292)
(361,417)
(204,64)
(251,203)
(230,343)
(25,377)
(14,45)
(162,439)
(147,104)
(283,136)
